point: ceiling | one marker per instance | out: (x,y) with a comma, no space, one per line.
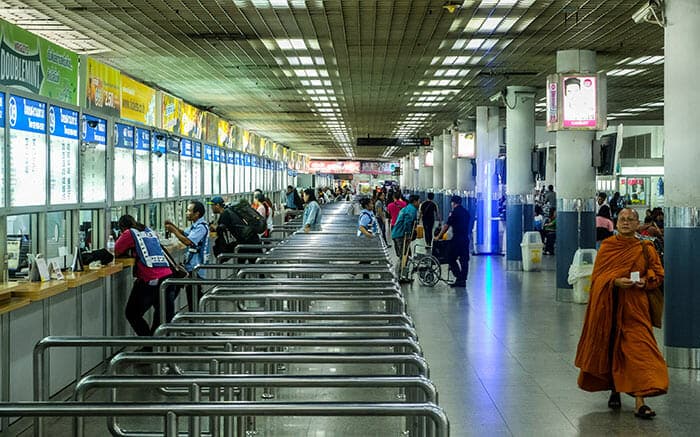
(316,75)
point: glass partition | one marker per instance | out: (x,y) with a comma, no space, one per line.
(238,172)
(123,162)
(254,172)
(27,151)
(93,153)
(154,220)
(89,235)
(173,162)
(142,149)
(216,170)
(231,171)
(63,155)
(2,149)
(158,152)
(58,244)
(197,169)
(247,174)
(185,167)
(21,242)
(208,152)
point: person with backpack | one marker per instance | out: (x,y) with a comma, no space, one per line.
(196,239)
(150,270)
(312,213)
(264,210)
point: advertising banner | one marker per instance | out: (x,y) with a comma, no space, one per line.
(552,102)
(579,101)
(211,127)
(30,62)
(245,141)
(138,102)
(334,167)
(171,108)
(224,129)
(191,121)
(103,88)
(466,145)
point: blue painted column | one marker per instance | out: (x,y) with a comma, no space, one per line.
(682,179)
(487,144)
(520,141)
(575,182)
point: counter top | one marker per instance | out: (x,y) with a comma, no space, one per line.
(81,278)
(14,304)
(40,290)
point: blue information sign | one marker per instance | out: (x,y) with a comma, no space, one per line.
(231,157)
(207,152)
(27,115)
(94,129)
(173,144)
(143,139)
(216,152)
(125,136)
(246,160)
(253,161)
(63,122)
(2,109)
(159,146)
(186,147)
(197,151)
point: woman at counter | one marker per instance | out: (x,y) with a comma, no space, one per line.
(150,269)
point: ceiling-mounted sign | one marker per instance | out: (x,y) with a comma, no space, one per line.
(334,167)
(394,142)
(103,92)
(37,65)
(138,101)
(171,113)
(429,158)
(191,121)
(377,168)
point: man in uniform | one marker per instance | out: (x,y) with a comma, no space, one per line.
(458,247)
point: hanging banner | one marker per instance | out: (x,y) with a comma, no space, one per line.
(30,62)
(192,121)
(245,141)
(103,88)
(211,127)
(138,102)
(171,108)
(334,167)
(224,129)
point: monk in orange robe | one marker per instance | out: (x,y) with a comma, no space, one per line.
(617,350)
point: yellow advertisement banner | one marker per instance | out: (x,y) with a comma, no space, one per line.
(293,160)
(103,88)
(138,102)
(285,154)
(211,130)
(224,129)
(171,113)
(191,121)
(275,151)
(245,141)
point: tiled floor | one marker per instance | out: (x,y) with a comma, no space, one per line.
(501,353)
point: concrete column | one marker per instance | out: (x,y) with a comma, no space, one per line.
(682,199)
(487,131)
(575,182)
(465,178)
(437,163)
(420,181)
(402,177)
(449,164)
(520,140)
(427,181)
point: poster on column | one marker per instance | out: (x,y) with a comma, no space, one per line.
(123,162)
(579,101)
(93,161)
(103,88)
(138,102)
(37,65)
(63,146)
(27,120)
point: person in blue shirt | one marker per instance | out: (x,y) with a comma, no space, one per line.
(458,247)
(404,223)
(367,223)
(312,213)
(196,239)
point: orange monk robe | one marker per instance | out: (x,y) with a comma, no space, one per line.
(635,365)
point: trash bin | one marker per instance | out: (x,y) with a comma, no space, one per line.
(580,274)
(531,248)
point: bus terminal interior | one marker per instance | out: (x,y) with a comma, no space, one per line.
(532,115)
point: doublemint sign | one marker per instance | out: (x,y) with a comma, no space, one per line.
(36,65)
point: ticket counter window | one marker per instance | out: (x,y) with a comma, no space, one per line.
(20,243)
(89,235)
(58,244)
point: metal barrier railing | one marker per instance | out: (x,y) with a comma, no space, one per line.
(288,329)
(379,318)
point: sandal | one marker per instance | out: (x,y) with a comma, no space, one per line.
(644,412)
(614,402)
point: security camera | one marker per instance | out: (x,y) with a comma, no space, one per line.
(160,137)
(92,123)
(649,13)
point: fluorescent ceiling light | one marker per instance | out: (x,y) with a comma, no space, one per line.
(625,72)
(473,25)
(278,3)
(647,60)
(636,110)
(506,24)
(459,44)
(654,104)
(490,24)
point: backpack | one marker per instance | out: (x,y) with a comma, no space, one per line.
(251,223)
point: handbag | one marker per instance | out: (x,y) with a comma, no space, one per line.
(178,269)
(655,296)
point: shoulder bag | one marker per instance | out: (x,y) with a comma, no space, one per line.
(655,295)
(179,270)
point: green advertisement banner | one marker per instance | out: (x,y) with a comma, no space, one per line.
(30,62)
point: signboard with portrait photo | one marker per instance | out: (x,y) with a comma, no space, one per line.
(579,101)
